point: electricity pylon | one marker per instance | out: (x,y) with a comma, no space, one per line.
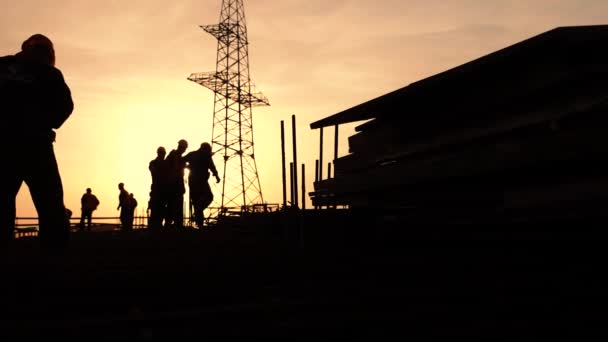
(235,96)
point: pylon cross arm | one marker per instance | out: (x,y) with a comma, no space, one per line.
(225,32)
(218,83)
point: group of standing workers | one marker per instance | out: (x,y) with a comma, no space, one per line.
(168,188)
(126,204)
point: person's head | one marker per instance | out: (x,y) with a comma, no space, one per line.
(121,186)
(161,152)
(88,190)
(182,145)
(39,48)
(206,148)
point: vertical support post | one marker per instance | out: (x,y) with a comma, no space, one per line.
(329,177)
(335,156)
(283,164)
(316,177)
(321,153)
(291,182)
(336,144)
(303,187)
(295,161)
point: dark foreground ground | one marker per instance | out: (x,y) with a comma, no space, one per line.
(375,281)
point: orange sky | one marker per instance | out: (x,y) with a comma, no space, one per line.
(127,62)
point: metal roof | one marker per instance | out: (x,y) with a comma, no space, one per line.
(570,45)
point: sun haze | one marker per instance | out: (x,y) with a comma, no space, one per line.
(127,62)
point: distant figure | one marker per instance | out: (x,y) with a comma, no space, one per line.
(34,100)
(68,216)
(158,189)
(175,186)
(200,163)
(130,209)
(123,205)
(88,204)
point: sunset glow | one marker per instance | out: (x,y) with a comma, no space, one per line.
(126,63)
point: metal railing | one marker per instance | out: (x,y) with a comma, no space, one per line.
(28,226)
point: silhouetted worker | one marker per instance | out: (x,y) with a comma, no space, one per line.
(88,204)
(123,205)
(158,189)
(34,100)
(175,186)
(200,163)
(131,204)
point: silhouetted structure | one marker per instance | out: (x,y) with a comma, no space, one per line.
(521,128)
(88,204)
(158,189)
(35,100)
(232,135)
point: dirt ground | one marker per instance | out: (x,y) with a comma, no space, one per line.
(367,282)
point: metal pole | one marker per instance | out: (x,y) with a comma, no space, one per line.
(328,177)
(295,161)
(283,164)
(316,177)
(321,153)
(336,144)
(303,187)
(291,182)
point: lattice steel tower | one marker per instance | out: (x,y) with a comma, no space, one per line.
(235,96)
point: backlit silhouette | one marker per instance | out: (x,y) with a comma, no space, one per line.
(88,204)
(175,186)
(234,97)
(35,100)
(199,163)
(158,189)
(123,206)
(130,207)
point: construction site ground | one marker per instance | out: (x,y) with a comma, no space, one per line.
(377,281)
